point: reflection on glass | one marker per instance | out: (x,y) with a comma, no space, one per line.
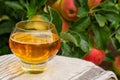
(35,43)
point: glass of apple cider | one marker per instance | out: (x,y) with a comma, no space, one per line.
(34,43)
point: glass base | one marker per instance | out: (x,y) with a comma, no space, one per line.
(34,68)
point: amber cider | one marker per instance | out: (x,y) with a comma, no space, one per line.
(34,47)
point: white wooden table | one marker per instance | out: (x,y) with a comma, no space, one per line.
(59,68)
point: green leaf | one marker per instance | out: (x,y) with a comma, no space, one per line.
(31,8)
(70,50)
(14,5)
(117,35)
(112,17)
(114,25)
(84,46)
(83,3)
(102,36)
(109,57)
(82,12)
(87,39)
(23,3)
(76,39)
(111,9)
(66,50)
(72,37)
(6,27)
(115,42)
(45,16)
(113,1)
(4,48)
(77,52)
(100,19)
(107,3)
(118,6)
(81,25)
(41,2)
(56,19)
(31,11)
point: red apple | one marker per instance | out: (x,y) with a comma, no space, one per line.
(68,10)
(96,56)
(65,25)
(93,3)
(116,65)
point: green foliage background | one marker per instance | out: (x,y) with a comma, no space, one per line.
(99,26)
(103,21)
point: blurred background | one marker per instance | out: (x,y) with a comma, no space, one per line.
(12,11)
(8,17)
(85,27)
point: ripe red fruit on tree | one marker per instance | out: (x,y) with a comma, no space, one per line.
(68,10)
(96,56)
(92,3)
(65,25)
(116,65)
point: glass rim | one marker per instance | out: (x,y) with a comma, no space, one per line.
(51,25)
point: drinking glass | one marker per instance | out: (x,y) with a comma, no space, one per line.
(34,43)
